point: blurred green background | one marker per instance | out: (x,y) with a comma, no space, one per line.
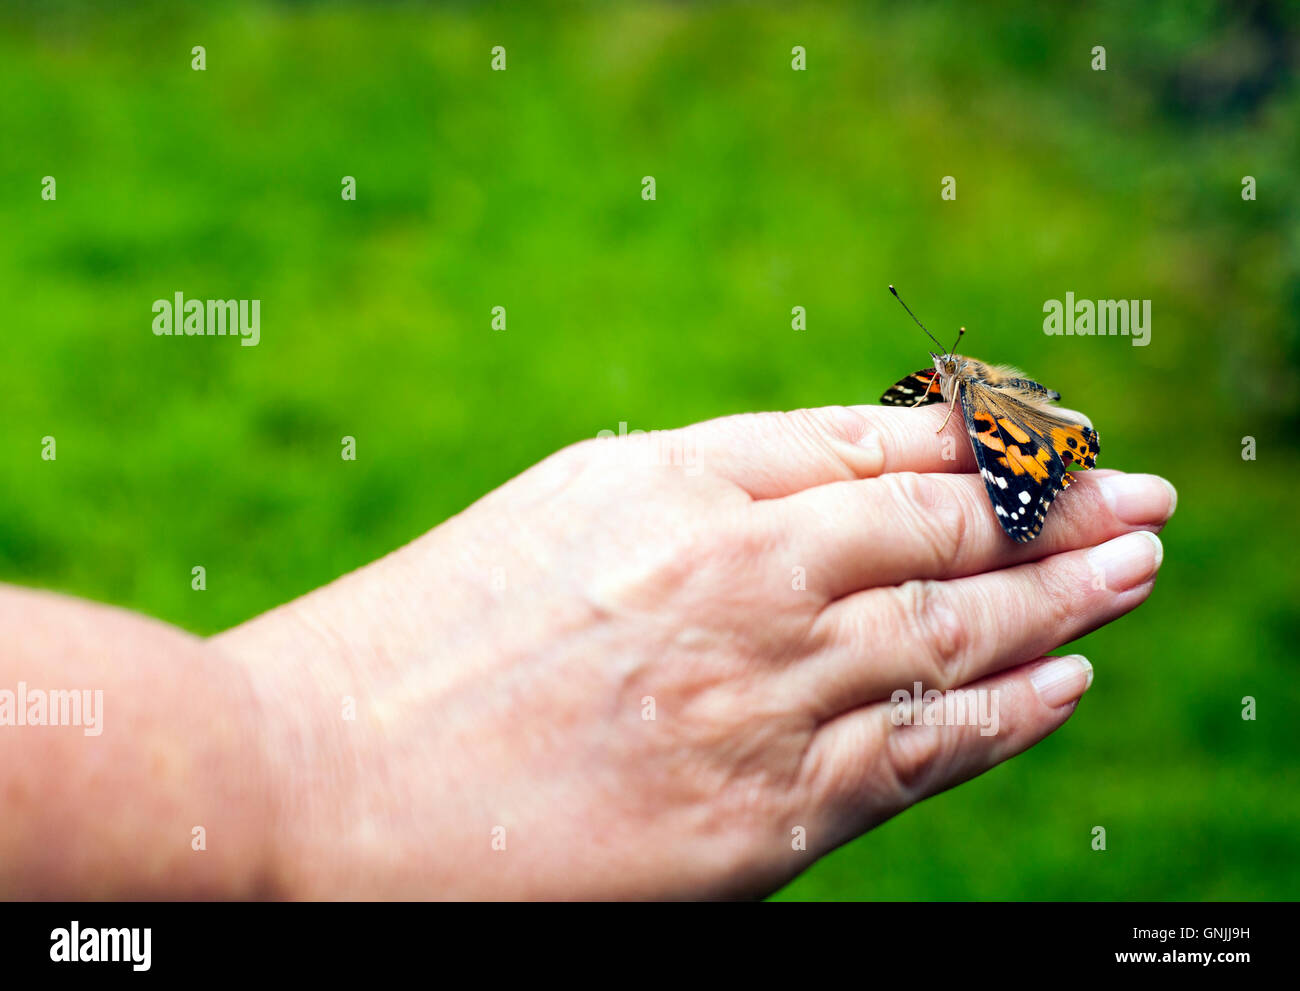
(776,189)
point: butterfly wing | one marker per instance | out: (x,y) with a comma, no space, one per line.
(1023,452)
(1033,388)
(918,389)
(1006,379)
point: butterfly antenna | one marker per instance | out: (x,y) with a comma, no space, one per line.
(960,331)
(913,316)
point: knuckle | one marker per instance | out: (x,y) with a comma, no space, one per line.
(838,422)
(1062,592)
(935,515)
(912,754)
(926,616)
(823,433)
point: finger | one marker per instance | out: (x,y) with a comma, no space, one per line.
(883,531)
(947,633)
(870,764)
(771,455)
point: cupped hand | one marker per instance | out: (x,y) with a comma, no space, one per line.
(666,665)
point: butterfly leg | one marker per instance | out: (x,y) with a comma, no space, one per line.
(951,407)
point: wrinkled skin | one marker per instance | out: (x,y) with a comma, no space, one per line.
(609,660)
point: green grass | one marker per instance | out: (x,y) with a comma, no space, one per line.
(775,188)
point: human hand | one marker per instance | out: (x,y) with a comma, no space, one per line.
(610,667)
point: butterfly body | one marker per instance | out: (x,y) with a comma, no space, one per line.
(1023,444)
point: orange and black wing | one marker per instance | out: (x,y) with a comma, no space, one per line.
(1023,453)
(918,389)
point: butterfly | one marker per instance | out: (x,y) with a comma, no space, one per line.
(1023,444)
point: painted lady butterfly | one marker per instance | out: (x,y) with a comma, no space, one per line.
(1023,444)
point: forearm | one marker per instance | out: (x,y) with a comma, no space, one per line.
(157,789)
(342,672)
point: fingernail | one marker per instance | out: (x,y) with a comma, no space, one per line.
(1139,499)
(1062,679)
(1127,561)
